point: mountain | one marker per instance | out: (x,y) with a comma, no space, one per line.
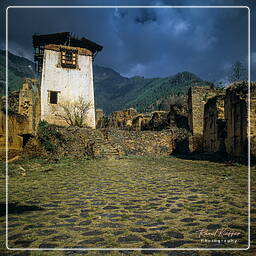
(112,91)
(19,68)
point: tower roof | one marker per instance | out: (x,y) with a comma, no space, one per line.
(65,38)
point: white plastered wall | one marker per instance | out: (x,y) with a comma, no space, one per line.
(69,83)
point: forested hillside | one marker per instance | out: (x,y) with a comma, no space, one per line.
(19,68)
(112,91)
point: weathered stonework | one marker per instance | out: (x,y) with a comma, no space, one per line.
(159,121)
(214,125)
(17,127)
(29,104)
(13,102)
(141,121)
(99,114)
(236,115)
(197,97)
(23,117)
(122,119)
(130,119)
(142,142)
(82,142)
(178,116)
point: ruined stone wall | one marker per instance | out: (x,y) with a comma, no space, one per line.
(142,142)
(13,102)
(178,116)
(214,125)
(236,115)
(197,97)
(23,117)
(130,119)
(29,104)
(99,114)
(82,142)
(159,121)
(17,126)
(140,122)
(122,119)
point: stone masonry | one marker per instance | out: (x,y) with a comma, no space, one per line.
(122,119)
(236,115)
(29,103)
(99,114)
(214,125)
(17,126)
(23,117)
(142,142)
(197,97)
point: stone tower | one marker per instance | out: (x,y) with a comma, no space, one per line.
(65,65)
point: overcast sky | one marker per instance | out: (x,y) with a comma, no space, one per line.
(149,42)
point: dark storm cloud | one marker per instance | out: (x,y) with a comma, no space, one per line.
(145,15)
(147,42)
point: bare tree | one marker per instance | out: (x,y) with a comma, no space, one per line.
(238,72)
(73,112)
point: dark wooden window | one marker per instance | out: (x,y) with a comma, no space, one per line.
(53,97)
(68,58)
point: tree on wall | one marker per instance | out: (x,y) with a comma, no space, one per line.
(74,113)
(238,72)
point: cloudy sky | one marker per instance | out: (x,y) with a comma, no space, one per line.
(150,42)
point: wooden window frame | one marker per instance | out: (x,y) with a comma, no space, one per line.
(68,58)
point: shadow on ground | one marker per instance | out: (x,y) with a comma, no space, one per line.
(215,157)
(14,208)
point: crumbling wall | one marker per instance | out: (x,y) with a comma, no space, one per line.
(67,141)
(159,121)
(122,119)
(142,142)
(197,97)
(83,142)
(23,117)
(214,125)
(13,102)
(140,122)
(29,103)
(236,115)
(99,114)
(130,119)
(178,116)
(17,126)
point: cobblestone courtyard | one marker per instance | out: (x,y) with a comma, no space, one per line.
(134,202)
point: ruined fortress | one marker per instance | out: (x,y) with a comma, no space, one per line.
(213,120)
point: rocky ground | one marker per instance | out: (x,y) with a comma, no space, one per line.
(134,202)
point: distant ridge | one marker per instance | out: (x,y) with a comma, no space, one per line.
(19,67)
(112,91)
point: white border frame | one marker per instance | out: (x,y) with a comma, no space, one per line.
(134,249)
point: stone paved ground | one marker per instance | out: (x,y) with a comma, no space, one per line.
(135,202)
